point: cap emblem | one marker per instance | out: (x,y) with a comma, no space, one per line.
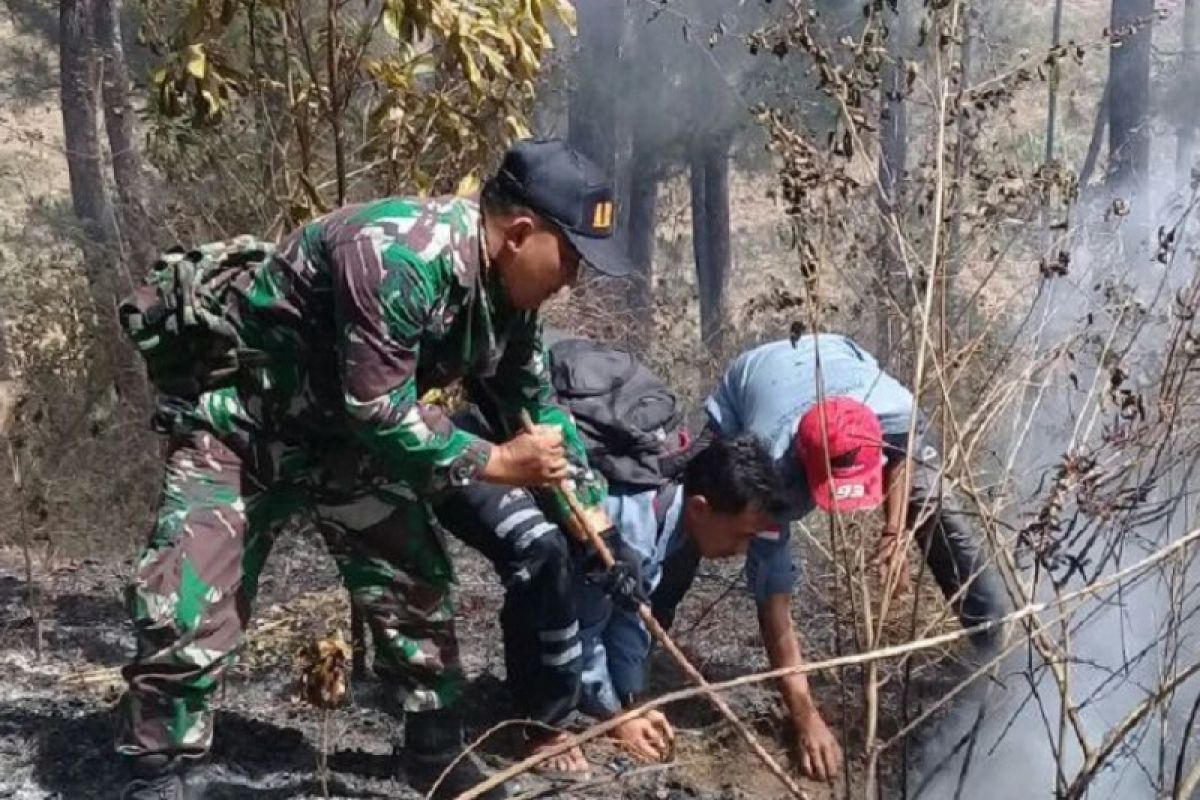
(602,215)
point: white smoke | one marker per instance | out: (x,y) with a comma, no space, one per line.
(1010,739)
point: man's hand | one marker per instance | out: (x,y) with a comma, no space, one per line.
(819,752)
(623,580)
(648,737)
(529,459)
(892,560)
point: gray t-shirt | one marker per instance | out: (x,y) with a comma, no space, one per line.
(766,390)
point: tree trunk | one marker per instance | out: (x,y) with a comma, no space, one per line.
(953,261)
(1185,152)
(334,105)
(112,361)
(119,123)
(1129,97)
(634,153)
(77,73)
(710,232)
(592,113)
(893,162)
(1097,140)
(700,249)
(643,208)
(1055,77)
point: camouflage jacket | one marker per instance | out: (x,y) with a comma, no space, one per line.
(362,311)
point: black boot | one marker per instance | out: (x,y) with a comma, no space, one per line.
(155,777)
(432,740)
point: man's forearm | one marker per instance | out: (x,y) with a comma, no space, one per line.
(418,445)
(783,650)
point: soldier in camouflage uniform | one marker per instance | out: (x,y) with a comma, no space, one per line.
(339,332)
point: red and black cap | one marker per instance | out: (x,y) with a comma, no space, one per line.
(570,191)
(839,441)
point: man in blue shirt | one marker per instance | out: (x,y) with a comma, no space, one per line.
(837,427)
(729,495)
(726,506)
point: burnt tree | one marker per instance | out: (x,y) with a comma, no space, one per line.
(643,207)
(1129,96)
(1189,79)
(642,88)
(604,114)
(710,235)
(592,106)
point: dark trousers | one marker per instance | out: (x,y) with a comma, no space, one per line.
(542,651)
(960,559)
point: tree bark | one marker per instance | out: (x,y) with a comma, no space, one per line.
(1097,140)
(77,74)
(119,123)
(643,208)
(710,232)
(81,25)
(1129,97)
(1055,77)
(592,113)
(700,248)
(334,104)
(952,305)
(1185,150)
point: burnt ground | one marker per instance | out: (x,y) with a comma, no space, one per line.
(56,720)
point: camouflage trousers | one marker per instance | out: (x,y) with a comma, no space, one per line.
(225,498)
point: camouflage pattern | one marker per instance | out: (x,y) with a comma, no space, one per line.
(358,314)
(196,581)
(364,310)
(177,322)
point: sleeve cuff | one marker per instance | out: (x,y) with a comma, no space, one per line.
(468,467)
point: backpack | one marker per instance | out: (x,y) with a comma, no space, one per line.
(177,319)
(631,422)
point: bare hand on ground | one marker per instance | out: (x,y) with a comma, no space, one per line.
(820,754)
(529,459)
(572,761)
(648,737)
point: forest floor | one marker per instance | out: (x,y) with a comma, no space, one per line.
(57,711)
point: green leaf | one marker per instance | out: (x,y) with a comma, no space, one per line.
(196,62)
(393,16)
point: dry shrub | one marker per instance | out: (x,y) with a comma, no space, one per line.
(81,446)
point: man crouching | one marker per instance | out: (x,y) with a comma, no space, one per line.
(729,495)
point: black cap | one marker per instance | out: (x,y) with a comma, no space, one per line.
(567,189)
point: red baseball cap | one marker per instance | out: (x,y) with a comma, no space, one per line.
(852,474)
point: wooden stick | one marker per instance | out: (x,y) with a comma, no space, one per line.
(592,536)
